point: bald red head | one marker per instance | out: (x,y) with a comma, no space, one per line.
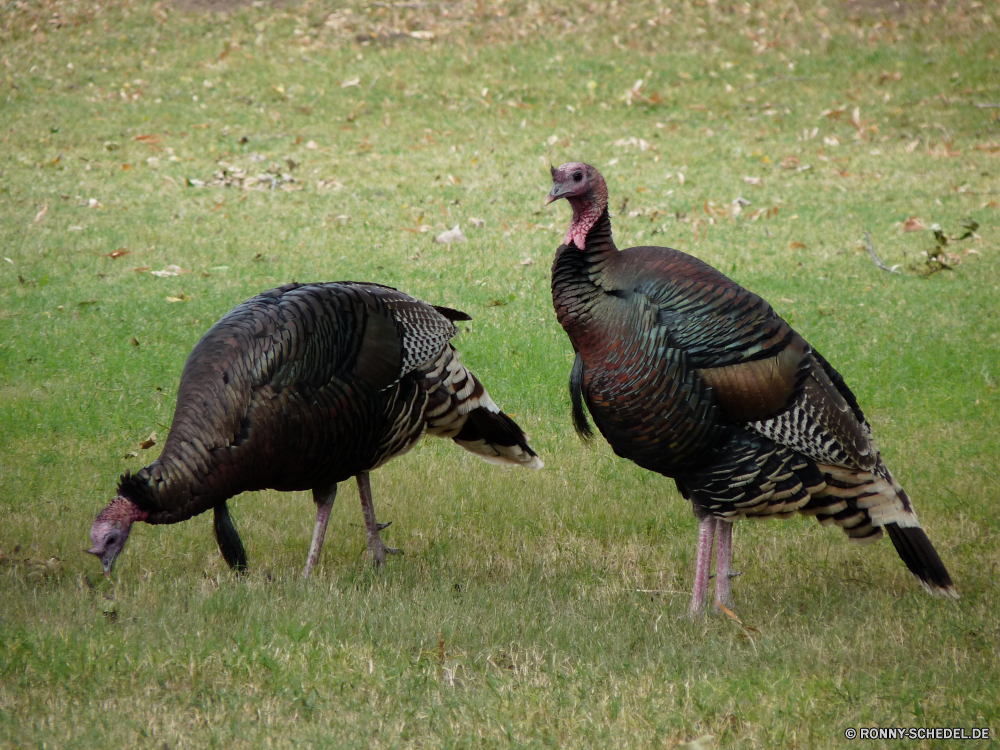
(584,187)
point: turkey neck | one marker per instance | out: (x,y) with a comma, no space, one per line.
(580,280)
(169,491)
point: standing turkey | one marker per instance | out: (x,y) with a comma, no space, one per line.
(690,375)
(303,387)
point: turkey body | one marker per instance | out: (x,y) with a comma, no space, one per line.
(690,375)
(305,386)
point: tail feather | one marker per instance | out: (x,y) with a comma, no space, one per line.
(580,423)
(916,550)
(458,407)
(496,438)
(230,544)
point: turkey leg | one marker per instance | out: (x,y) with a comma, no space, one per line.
(724,564)
(324,504)
(376,546)
(706,540)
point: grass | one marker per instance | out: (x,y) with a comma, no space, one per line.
(531,609)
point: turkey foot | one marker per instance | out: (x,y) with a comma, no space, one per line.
(376,547)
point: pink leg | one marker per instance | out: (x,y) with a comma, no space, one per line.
(706,540)
(324,504)
(724,564)
(376,546)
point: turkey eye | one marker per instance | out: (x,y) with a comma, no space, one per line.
(577,176)
(112,539)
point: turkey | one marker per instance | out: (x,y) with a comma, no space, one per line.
(301,388)
(690,375)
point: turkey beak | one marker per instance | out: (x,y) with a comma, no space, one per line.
(557,192)
(106,563)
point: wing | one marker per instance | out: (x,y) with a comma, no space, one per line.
(763,374)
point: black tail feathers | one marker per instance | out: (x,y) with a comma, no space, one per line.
(230,544)
(916,550)
(576,395)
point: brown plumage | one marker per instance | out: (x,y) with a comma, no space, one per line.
(300,388)
(690,375)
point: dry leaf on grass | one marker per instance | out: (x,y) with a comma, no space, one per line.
(115,254)
(170,270)
(701,743)
(914,224)
(182,298)
(633,142)
(452,235)
(41,213)
(477,223)
(752,180)
(796,246)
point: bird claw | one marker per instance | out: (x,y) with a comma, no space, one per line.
(379,550)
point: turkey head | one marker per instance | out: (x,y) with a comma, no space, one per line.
(111,529)
(585,189)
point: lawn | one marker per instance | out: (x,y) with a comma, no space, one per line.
(163,162)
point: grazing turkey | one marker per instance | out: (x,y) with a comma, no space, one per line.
(690,375)
(300,388)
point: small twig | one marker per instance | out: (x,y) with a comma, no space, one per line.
(372,84)
(878,261)
(769,81)
(986,105)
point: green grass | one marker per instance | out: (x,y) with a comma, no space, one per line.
(531,608)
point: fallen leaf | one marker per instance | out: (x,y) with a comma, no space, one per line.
(312,145)
(527,262)
(887,76)
(728,612)
(350,82)
(831,140)
(150,138)
(134,341)
(93,203)
(911,146)
(702,743)
(115,254)
(170,270)
(424,35)
(796,246)
(477,223)
(752,180)
(790,162)
(856,118)
(633,142)
(452,235)
(148,442)
(914,224)
(182,298)
(41,213)
(454,180)
(140,269)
